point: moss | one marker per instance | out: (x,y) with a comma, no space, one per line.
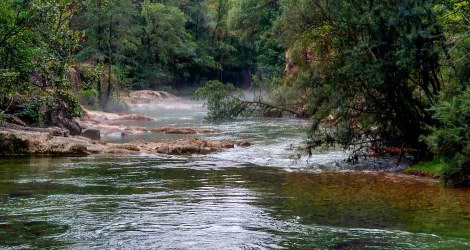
(433,169)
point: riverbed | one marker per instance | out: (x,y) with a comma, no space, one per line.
(267,196)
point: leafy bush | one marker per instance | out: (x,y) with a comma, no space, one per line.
(224,101)
(71,101)
(451,140)
(90,97)
(31,112)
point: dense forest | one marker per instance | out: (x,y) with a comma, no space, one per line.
(371,75)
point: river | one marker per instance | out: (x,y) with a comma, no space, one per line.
(268,196)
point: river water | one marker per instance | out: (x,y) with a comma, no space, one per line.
(268,196)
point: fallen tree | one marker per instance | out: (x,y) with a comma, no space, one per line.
(226,102)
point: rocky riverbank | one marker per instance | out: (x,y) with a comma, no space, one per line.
(20,140)
(112,123)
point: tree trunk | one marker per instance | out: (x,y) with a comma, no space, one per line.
(110,56)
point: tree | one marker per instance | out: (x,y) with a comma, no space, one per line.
(168,47)
(373,68)
(252,22)
(36,49)
(110,38)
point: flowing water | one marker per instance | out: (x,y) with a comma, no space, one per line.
(267,196)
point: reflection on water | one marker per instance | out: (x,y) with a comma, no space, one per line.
(262,197)
(142,202)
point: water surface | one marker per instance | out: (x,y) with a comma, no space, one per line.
(262,197)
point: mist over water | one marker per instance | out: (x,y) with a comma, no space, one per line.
(267,196)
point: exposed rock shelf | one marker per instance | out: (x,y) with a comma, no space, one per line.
(145,97)
(18,140)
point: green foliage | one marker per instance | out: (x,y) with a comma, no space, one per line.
(71,102)
(224,101)
(433,169)
(168,48)
(32,112)
(36,46)
(252,21)
(372,75)
(451,139)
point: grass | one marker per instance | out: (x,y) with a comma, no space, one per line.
(432,169)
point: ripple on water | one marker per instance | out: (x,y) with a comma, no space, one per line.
(238,199)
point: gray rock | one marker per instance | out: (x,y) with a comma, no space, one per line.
(62,119)
(93,134)
(14,120)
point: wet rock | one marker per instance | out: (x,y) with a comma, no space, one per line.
(190,147)
(24,194)
(76,149)
(207,150)
(12,119)
(148,96)
(180,131)
(129,147)
(58,132)
(163,149)
(175,149)
(62,119)
(227,144)
(206,131)
(11,144)
(134,131)
(20,142)
(244,144)
(93,134)
(52,131)
(134,117)
(23,142)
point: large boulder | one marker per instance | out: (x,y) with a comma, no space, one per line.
(10,144)
(62,119)
(93,134)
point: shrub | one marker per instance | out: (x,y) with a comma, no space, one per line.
(224,101)
(451,140)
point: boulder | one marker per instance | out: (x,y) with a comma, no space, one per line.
(76,150)
(14,120)
(56,131)
(93,134)
(10,144)
(180,131)
(243,144)
(163,149)
(62,119)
